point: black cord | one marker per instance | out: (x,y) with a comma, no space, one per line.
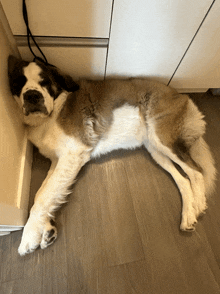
(29,34)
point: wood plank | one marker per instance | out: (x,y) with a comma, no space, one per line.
(123,243)
(55,266)
(6,264)
(135,277)
(84,237)
(101,236)
(17,262)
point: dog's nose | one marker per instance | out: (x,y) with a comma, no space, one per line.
(32,97)
(33,102)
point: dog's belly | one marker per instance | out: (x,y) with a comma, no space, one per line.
(127,131)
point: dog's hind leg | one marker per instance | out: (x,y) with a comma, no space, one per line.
(181,155)
(188,211)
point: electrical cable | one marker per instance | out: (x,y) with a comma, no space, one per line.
(29,35)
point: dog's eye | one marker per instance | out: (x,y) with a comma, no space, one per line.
(44,82)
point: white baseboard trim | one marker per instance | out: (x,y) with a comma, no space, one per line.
(10,228)
(192,90)
(6,230)
(4,233)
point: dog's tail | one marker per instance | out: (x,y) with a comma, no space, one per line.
(193,130)
(201,154)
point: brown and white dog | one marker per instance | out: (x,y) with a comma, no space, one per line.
(98,117)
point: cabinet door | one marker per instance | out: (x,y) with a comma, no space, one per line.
(72,18)
(149,38)
(78,62)
(200,68)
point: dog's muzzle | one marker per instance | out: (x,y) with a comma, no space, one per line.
(34,102)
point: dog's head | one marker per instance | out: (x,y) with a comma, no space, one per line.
(35,86)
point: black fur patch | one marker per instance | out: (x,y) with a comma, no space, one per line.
(17,80)
(51,232)
(52,79)
(182,151)
(47,83)
(51,76)
(52,222)
(51,240)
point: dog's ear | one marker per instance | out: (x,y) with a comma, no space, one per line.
(63,80)
(15,74)
(12,63)
(15,63)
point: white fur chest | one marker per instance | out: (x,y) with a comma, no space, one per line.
(52,141)
(45,137)
(127,131)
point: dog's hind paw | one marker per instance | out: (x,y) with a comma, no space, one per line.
(188,222)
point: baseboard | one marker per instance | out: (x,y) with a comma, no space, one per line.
(4,233)
(192,90)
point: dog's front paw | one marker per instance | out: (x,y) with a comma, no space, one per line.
(31,237)
(35,234)
(49,234)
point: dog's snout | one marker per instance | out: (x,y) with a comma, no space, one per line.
(32,96)
(34,102)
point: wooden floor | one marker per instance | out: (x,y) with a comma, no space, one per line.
(119,232)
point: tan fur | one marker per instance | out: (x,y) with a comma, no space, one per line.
(94,104)
(99,98)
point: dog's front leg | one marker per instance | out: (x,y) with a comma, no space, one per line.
(39,229)
(50,172)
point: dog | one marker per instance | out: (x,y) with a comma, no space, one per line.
(70,123)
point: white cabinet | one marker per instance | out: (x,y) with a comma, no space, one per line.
(69,18)
(85,62)
(74,34)
(200,68)
(171,40)
(149,38)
